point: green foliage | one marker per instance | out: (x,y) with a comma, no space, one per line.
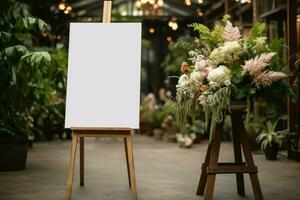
(185,43)
(296,73)
(177,54)
(36,59)
(198,127)
(184,106)
(269,135)
(24,82)
(13,124)
(29,23)
(258,30)
(206,35)
(11,11)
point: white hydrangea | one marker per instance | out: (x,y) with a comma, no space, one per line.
(219,75)
(217,56)
(230,50)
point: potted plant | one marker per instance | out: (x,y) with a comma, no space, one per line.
(270,140)
(22,85)
(15,128)
(198,127)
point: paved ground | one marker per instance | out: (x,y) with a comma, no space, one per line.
(164,172)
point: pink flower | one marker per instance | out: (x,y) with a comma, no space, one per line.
(231,33)
(255,66)
(267,78)
(200,63)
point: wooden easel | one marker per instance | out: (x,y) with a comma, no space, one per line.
(211,167)
(81,133)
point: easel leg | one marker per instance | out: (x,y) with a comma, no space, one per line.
(131,166)
(249,159)
(237,154)
(81,161)
(214,156)
(127,163)
(71,166)
(203,177)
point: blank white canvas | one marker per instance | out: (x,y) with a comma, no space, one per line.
(103,87)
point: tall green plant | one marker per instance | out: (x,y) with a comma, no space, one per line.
(22,75)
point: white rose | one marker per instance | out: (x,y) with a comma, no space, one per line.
(183,80)
(196,76)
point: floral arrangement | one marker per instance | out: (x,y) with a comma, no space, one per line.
(224,66)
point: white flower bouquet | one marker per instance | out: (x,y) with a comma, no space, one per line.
(224,66)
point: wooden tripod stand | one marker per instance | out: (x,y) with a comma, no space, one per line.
(211,167)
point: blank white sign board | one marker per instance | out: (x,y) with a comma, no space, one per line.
(103,87)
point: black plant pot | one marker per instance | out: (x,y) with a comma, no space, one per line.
(13,153)
(271,152)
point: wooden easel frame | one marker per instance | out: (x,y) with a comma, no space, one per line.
(81,133)
(211,167)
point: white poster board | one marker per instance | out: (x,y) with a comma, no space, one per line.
(103,87)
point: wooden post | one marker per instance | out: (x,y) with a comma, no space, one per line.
(226,7)
(256,10)
(81,168)
(292,50)
(106,18)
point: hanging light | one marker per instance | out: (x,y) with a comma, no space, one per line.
(188,2)
(200,1)
(65,7)
(69,8)
(62,6)
(154,4)
(199,12)
(173,24)
(152,30)
(160,3)
(169,39)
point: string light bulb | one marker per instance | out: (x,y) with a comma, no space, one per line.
(160,3)
(69,8)
(62,6)
(188,2)
(152,30)
(173,25)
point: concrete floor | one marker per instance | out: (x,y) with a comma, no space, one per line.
(164,172)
